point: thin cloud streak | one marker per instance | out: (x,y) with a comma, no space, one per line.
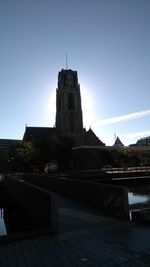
(131,116)
(137,134)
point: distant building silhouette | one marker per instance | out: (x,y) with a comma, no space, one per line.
(6,158)
(5,147)
(118,142)
(145,141)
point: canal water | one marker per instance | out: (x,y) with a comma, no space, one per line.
(135,198)
(139,194)
(3,230)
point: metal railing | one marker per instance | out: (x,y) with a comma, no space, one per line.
(144,169)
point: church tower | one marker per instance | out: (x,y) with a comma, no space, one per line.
(69,120)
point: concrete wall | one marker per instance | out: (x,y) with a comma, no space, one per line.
(90,157)
(38,203)
(112,200)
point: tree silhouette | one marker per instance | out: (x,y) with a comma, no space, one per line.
(22,156)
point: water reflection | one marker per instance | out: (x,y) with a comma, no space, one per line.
(139,194)
(137,198)
(2,224)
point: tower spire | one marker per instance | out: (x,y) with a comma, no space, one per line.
(66,61)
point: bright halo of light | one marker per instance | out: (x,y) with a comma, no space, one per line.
(87,107)
(52,107)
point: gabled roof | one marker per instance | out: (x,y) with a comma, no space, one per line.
(118,142)
(31,132)
(92,139)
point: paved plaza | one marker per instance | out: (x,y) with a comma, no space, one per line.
(84,239)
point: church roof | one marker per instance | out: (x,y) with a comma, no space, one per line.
(32,132)
(92,139)
(118,142)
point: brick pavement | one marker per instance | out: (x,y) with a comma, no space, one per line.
(91,241)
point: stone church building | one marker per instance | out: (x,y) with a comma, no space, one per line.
(69,120)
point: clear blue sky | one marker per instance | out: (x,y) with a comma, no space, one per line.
(107,42)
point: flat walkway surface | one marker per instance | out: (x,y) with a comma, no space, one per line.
(84,239)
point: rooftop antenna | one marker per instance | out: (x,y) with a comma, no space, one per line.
(66,61)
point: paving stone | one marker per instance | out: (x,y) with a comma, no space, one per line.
(21,263)
(120,245)
(12,262)
(4,264)
(30,263)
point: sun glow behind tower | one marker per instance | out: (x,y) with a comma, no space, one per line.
(87,107)
(52,107)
